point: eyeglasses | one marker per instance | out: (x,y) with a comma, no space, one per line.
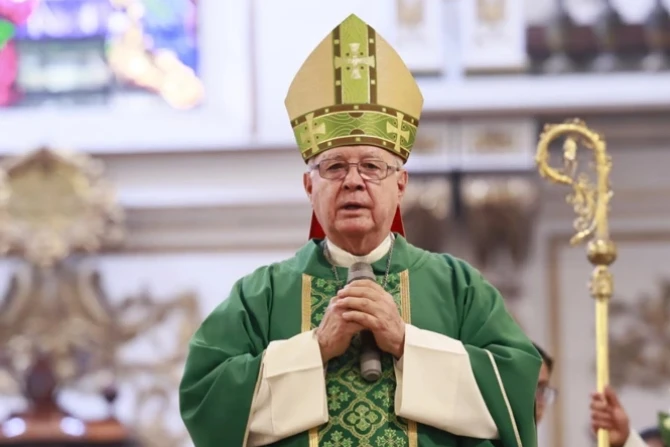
(546,394)
(369,169)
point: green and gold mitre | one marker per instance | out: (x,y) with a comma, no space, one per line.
(354,89)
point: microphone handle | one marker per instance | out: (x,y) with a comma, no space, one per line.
(370,361)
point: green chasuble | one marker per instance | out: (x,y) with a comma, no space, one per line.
(434,292)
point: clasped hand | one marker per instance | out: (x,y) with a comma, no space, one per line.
(607,413)
(361,305)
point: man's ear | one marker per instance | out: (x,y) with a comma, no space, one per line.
(307,183)
(403,179)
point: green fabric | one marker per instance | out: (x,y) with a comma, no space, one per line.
(664,427)
(7,29)
(360,413)
(446,296)
(354,50)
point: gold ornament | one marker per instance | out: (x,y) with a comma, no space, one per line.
(590,201)
(55,203)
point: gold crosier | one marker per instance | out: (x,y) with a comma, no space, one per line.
(591,204)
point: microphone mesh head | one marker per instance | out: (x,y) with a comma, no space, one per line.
(360,270)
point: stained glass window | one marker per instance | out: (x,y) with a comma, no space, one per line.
(98,52)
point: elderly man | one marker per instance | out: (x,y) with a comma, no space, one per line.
(545,393)
(277,363)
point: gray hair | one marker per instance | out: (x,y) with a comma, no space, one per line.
(399,161)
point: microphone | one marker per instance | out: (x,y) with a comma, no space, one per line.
(370,361)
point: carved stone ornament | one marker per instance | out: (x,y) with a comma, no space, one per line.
(55,203)
(60,331)
(499,215)
(58,328)
(640,340)
(426,208)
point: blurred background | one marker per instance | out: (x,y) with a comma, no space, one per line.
(148,163)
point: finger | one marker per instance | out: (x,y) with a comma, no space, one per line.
(366,320)
(353,328)
(365,283)
(603,421)
(599,405)
(332,304)
(359,292)
(598,398)
(606,423)
(595,428)
(360,304)
(601,414)
(611,397)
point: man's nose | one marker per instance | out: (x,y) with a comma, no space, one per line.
(353,179)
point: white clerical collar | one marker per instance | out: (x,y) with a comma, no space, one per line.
(341,258)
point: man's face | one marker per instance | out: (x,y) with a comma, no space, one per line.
(543,393)
(354,206)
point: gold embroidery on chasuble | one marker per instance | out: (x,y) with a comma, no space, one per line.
(361,414)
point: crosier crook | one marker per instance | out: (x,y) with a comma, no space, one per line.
(590,201)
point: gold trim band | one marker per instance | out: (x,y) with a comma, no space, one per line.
(306,325)
(354,108)
(406,314)
(504,393)
(351,124)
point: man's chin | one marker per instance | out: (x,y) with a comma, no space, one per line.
(355,227)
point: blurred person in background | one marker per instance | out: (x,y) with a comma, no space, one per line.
(608,413)
(277,363)
(545,394)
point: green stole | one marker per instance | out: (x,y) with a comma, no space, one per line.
(361,413)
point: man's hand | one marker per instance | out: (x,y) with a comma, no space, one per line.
(608,413)
(334,333)
(366,303)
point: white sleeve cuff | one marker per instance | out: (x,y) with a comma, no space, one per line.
(634,440)
(290,368)
(436,386)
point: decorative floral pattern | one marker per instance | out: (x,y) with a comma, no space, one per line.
(361,414)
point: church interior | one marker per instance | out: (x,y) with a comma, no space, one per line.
(147,163)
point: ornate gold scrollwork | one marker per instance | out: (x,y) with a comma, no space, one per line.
(56,208)
(53,204)
(590,201)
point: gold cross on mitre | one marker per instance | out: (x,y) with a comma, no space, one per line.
(397,131)
(354,60)
(309,135)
